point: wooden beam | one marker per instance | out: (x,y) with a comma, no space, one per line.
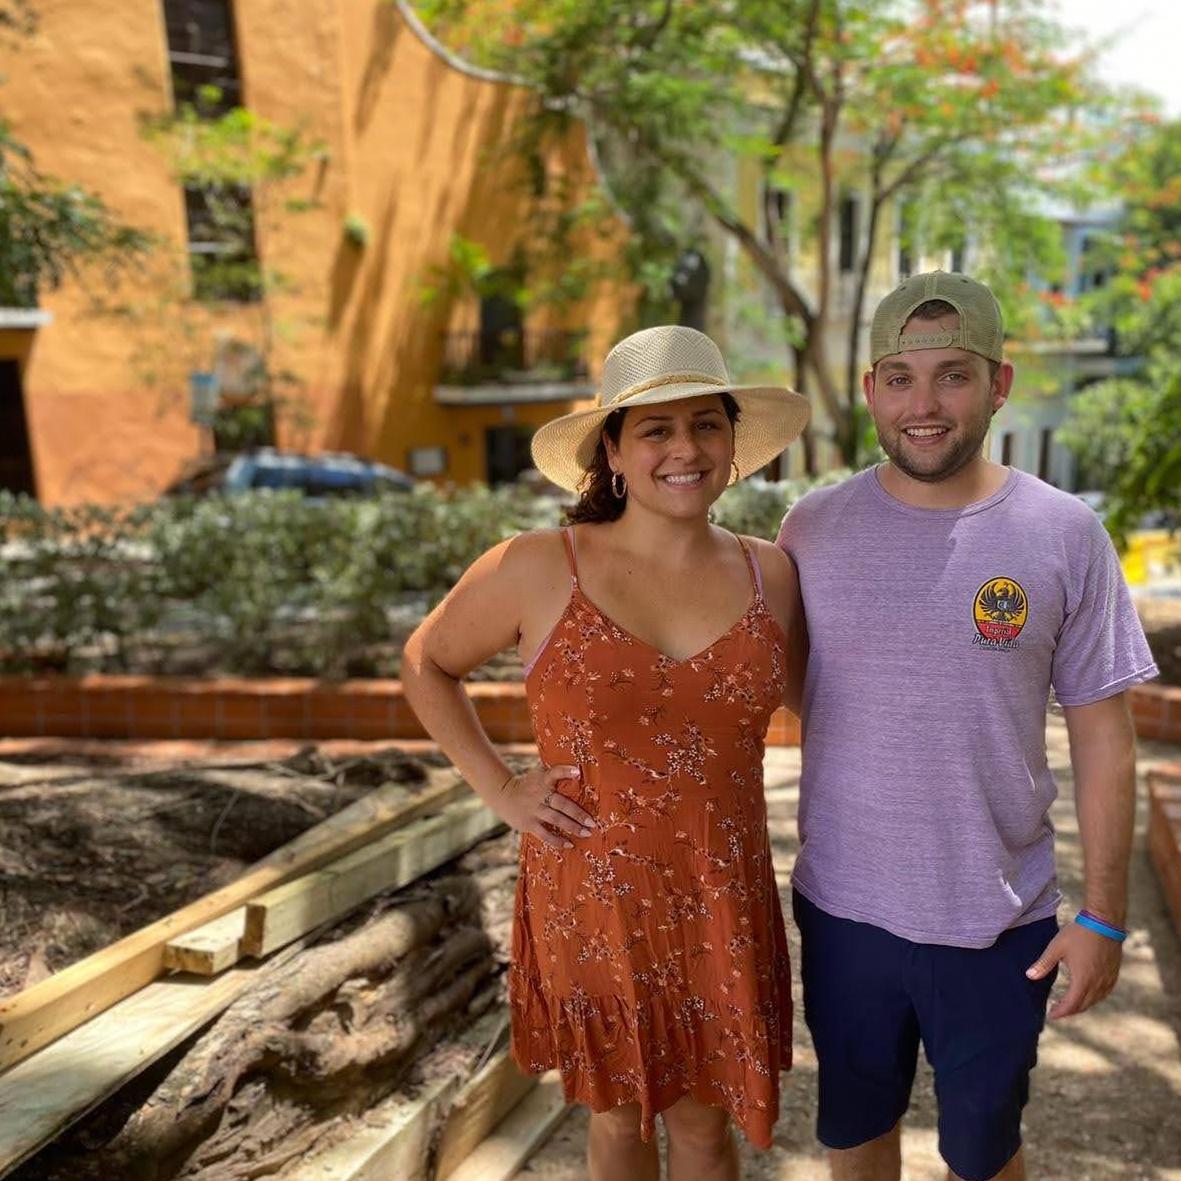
(35,1017)
(393,1142)
(518,1136)
(50,1090)
(479,1106)
(394,1138)
(209,949)
(285,913)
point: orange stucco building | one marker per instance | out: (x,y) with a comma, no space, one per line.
(412,149)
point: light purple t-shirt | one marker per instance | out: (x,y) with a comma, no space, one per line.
(935,638)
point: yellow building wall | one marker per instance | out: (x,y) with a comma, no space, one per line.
(413,146)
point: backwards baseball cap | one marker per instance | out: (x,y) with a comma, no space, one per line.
(980,329)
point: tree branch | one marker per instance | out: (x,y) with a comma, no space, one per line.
(652,32)
(912,170)
(786,129)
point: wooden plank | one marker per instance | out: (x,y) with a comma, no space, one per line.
(393,1142)
(480,1105)
(393,1139)
(33,1018)
(518,1136)
(209,949)
(283,914)
(50,1090)
(1165,775)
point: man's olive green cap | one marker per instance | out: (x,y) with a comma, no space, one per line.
(980,330)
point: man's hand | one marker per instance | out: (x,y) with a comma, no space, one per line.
(1092,963)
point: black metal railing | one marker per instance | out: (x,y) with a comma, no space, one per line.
(511,356)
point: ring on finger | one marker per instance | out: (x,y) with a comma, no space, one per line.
(549,795)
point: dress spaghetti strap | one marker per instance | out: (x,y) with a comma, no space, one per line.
(571,558)
(752,563)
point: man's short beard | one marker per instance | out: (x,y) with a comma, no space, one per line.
(956,459)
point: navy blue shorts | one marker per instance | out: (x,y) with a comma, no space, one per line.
(871,997)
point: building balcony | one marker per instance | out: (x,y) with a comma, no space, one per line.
(513,366)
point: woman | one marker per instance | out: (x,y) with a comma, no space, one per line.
(649,955)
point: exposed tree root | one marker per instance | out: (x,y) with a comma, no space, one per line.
(325,1035)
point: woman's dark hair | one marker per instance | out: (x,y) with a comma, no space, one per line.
(596,502)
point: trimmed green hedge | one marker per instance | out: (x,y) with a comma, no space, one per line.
(266,583)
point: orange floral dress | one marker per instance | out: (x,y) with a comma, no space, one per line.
(650,961)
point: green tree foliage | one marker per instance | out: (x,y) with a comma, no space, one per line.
(952,107)
(1127,431)
(236,164)
(49,229)
(238,170)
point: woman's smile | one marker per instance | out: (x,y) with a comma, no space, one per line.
(683,479)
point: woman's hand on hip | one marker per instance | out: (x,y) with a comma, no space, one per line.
(534,803)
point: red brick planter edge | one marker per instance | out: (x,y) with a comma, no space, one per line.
(233,708)
(1164,834)
(1156,710)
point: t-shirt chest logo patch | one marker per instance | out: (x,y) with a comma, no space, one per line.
(999,611)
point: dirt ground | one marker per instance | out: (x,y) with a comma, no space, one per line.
(93,845)
(1107,1091)
(97,839)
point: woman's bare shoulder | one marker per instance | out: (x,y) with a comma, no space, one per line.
(537,551)
(520,554)
(529,566)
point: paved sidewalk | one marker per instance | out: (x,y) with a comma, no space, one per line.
(1107,1092)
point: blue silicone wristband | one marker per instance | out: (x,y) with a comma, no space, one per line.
(1100,928)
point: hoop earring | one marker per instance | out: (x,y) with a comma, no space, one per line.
(618,485)
(737,474)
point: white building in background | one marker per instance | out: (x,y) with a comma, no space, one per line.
(1051,373)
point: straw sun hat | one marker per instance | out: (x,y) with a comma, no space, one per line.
(667,364)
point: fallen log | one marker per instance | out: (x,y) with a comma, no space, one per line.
(393,1144)
(327,1037)
(395,1138)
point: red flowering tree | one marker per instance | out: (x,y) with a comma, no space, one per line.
(953,110)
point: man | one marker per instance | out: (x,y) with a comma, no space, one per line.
(945,596)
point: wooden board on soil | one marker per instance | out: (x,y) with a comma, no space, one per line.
(93,848)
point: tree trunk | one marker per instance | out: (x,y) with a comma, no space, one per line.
(807,438)
(847,440)
(815,345)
